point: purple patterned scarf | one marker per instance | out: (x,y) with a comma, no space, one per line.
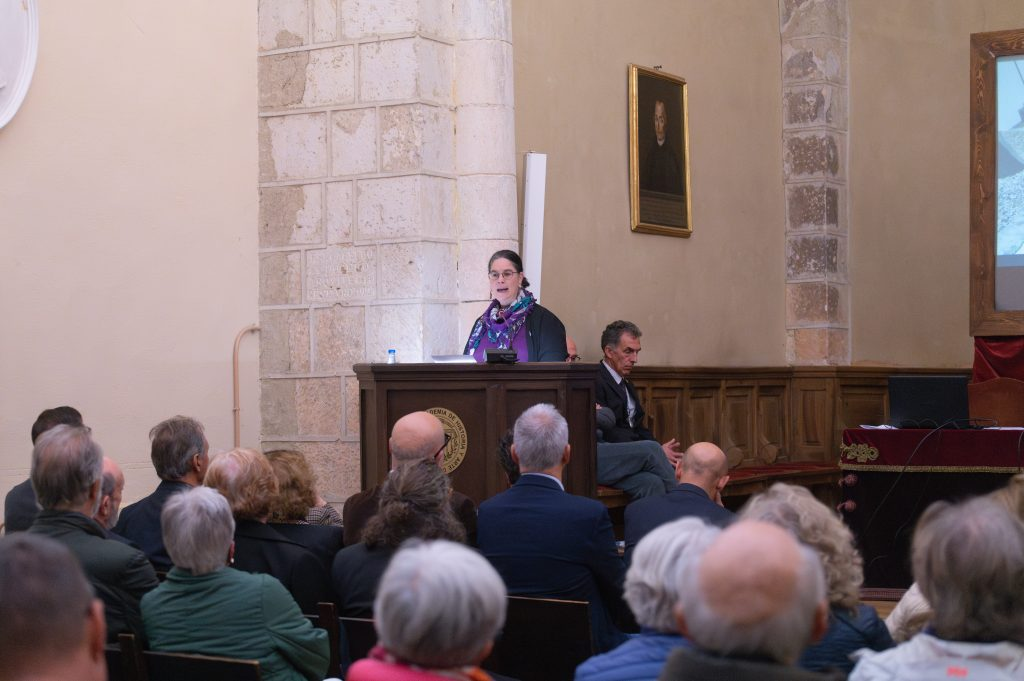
(501,326)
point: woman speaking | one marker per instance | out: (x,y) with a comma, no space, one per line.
(514,320)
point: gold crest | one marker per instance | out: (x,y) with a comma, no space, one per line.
(458,443)
(861,453)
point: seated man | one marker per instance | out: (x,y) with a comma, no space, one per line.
(66,470)
(754,601)
(628,456)
(415,437)
(180,456)
(544,542)
(20,506)
(111,492)
(702,472)
(968,561)
(52,626)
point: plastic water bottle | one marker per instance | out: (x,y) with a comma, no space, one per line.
(392,356)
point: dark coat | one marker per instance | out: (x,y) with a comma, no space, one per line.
(20,507)
(120,574)
(323,540)
(140,523)
(847,631)
(362,506)
(258,548)
(691,665)
(613,395)
(355,575)
(545,542)
(643,515)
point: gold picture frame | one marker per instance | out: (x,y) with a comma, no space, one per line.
(659,153)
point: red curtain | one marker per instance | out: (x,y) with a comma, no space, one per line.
(996,356)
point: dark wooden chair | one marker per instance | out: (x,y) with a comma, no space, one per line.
(327,619)
(149,665)
(544,639)
(359,637)
(998,399)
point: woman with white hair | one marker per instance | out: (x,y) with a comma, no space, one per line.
(652,591)
(852,625)
(438,608)
(206,607)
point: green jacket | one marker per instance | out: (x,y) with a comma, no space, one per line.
(119,573)
(236,614)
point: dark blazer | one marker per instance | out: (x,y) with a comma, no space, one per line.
(362,506)
(140,523)
(692,665)
(643,515)
(546,542)
(20,507)
(613,395)
(259,548)
(323,540)
(119,574)
(355,574)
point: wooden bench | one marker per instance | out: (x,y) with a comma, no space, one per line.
(544,639)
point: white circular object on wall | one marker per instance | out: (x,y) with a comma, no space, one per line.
(19,42)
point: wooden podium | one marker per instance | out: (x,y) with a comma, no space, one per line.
(477,404)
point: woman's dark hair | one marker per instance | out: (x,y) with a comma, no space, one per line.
(414,503)
(513,258)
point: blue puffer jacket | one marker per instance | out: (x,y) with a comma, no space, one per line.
(638,659)
(847,631)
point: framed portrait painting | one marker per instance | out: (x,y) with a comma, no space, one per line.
(659,153)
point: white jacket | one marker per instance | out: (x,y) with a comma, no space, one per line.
(926,657)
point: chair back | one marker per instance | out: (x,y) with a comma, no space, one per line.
(149,665)
(358,638)
(1001,399)
(327,619)
(544,639)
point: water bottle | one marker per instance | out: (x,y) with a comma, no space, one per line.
(392,356)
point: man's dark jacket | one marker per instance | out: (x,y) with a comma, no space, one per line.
(259,548)
(119,574)
(362,506)
(140,523)
(20,507)
(643,515)
(692,665)
(613,395)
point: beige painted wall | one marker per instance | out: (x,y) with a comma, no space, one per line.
(909,175)
(716,298)
(128,190)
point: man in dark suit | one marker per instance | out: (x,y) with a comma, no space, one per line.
(414,437)
(703,472)
(544,542)
(20,506)
(180,455)
(642,467)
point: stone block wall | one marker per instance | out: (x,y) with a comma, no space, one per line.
(386,179)
(815,91)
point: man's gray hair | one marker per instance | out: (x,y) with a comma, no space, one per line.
(781,637)
(44,598)
(439,604)
(198,529)
(174,443)
(66,463)
(539,437)
(659,560)
(969,563)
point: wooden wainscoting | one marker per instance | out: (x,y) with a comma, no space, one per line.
(762,416)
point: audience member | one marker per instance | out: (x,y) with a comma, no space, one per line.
(52,627)
(642,467)
(968,560)
(753,603)
(702,473)
(180,455)
(652,591)
(413,503)
(66,470)
(510,467)
(295,498)
(246,479)
(851,624)
(206,607)
(544,542)
(414,437)
(20,505)
(439,607)
(111,491)
(912,612)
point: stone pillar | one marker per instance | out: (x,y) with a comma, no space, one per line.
(386,160)
(815,93)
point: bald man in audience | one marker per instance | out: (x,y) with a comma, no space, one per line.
(755,600)
(415,437)
(53,627)
(702,473)
(67,467)
(111,492)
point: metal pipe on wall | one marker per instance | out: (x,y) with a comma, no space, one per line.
(236,408)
